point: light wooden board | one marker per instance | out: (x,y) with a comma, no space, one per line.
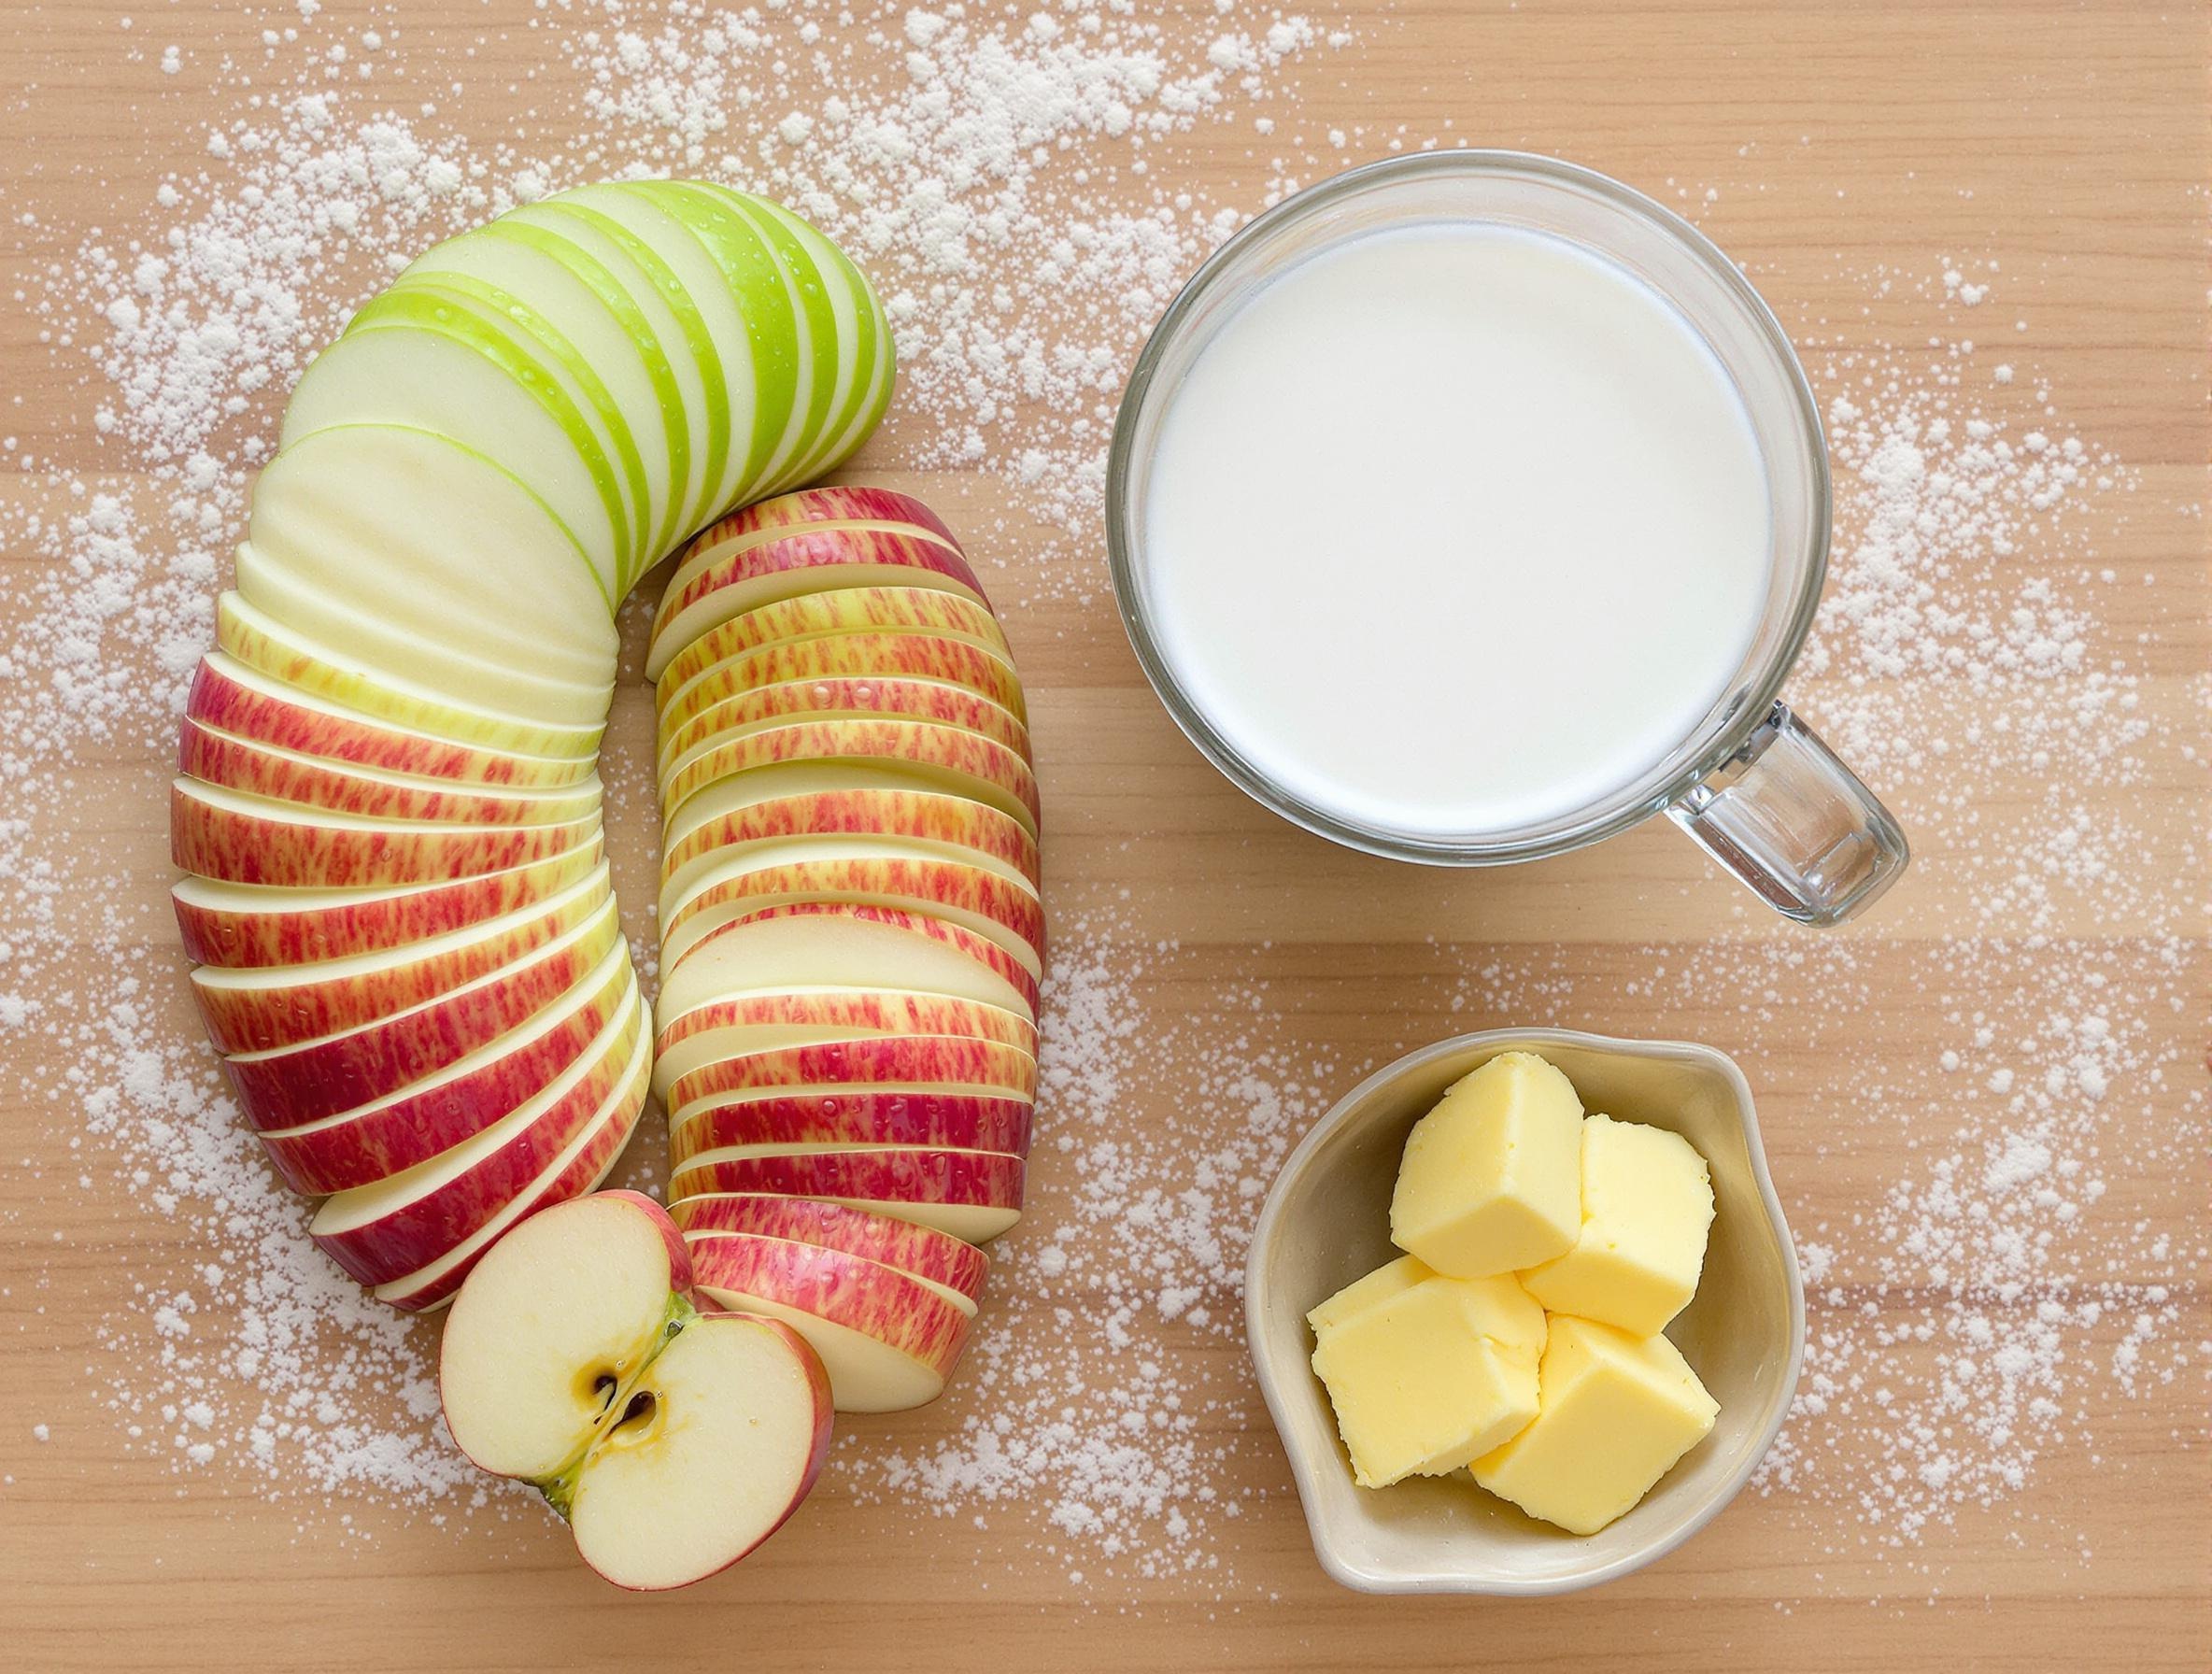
(1843,141)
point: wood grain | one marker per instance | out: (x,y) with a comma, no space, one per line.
(1845,143)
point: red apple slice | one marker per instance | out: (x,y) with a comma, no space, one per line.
(994,904)
(974,1195)
(940,1063)
(296,1085)
(217,758)
(821,616)
(232,697)
(831,506)
(887,1341)
(829,1118)
(741,1027)
(373,1142)
(892,654)
(701,597)
(379,1233)
(815,802)
(761,708)
(272,1006)
(674,1441)
(937,757)
(951,1267)
(588,1160)
(216,833)
(248,925)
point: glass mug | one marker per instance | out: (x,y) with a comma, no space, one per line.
(1752,783)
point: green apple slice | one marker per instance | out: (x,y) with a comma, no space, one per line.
(595,311)
(482,391)
(740,294)
(497,324)
(430,542)
(663,294)
(876,352)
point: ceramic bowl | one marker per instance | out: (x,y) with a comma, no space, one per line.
(1328,1221)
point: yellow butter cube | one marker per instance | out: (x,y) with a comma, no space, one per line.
(1647,1204)
(1389,1280)
(1430,1376)
(1492,1178)
(1616,1413)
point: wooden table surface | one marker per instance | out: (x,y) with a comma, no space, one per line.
(1852,150)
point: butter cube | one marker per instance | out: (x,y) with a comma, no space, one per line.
(1430,1376)
(1391,1279)
(1492,1178)
(1616,1413)
(1647,1203)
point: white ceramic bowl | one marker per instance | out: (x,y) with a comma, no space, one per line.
(1328,1221)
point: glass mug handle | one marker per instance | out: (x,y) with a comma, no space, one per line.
(1789,819)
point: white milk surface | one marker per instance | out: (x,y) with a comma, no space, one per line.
(1455,528)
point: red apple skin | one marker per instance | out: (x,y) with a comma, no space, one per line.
(958,1122)
(377,1144)
(217,843)
(904,1244)
(239,938)
(955,1063)
(1000,773)
(807,561)
(848,1290)
(413,1234)
(862,1012)
(231,698)
(848,698)
(321,1078)
(921,816)
(256,769)
(415,1293)
(906,883)
(982,949)
(847,610)
(289,1013)
(984,1179)
(840,502)
(891,653)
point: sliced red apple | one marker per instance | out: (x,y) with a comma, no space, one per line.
(674,1441)
(887,1341)
(237,839)
(373,1142)
(745,1025)
(832,1117)
(845,698)
(938,1063)
(893,654)
(951,1267)
(398,1224)
(271,1006)
(295,1084)
(974,1195)
(244,926)
(217,758)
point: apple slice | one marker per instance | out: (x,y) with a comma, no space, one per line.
(217,758)
(238,839)
(887,1341)
(243,701)
(974,1195)
(462,703)
(830,1116)
(246,926)
(285,1005)
(380,1231)
(950,1266)
(749,576)
(763,708)
(588,1160)
(826,506)
(372,1142)
(296,1085)
(773,1019)
(998,907)
(935,1063)
(936,757)
(815,801)
(893,654)
(826,615)
(836,945)
(674,1441)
